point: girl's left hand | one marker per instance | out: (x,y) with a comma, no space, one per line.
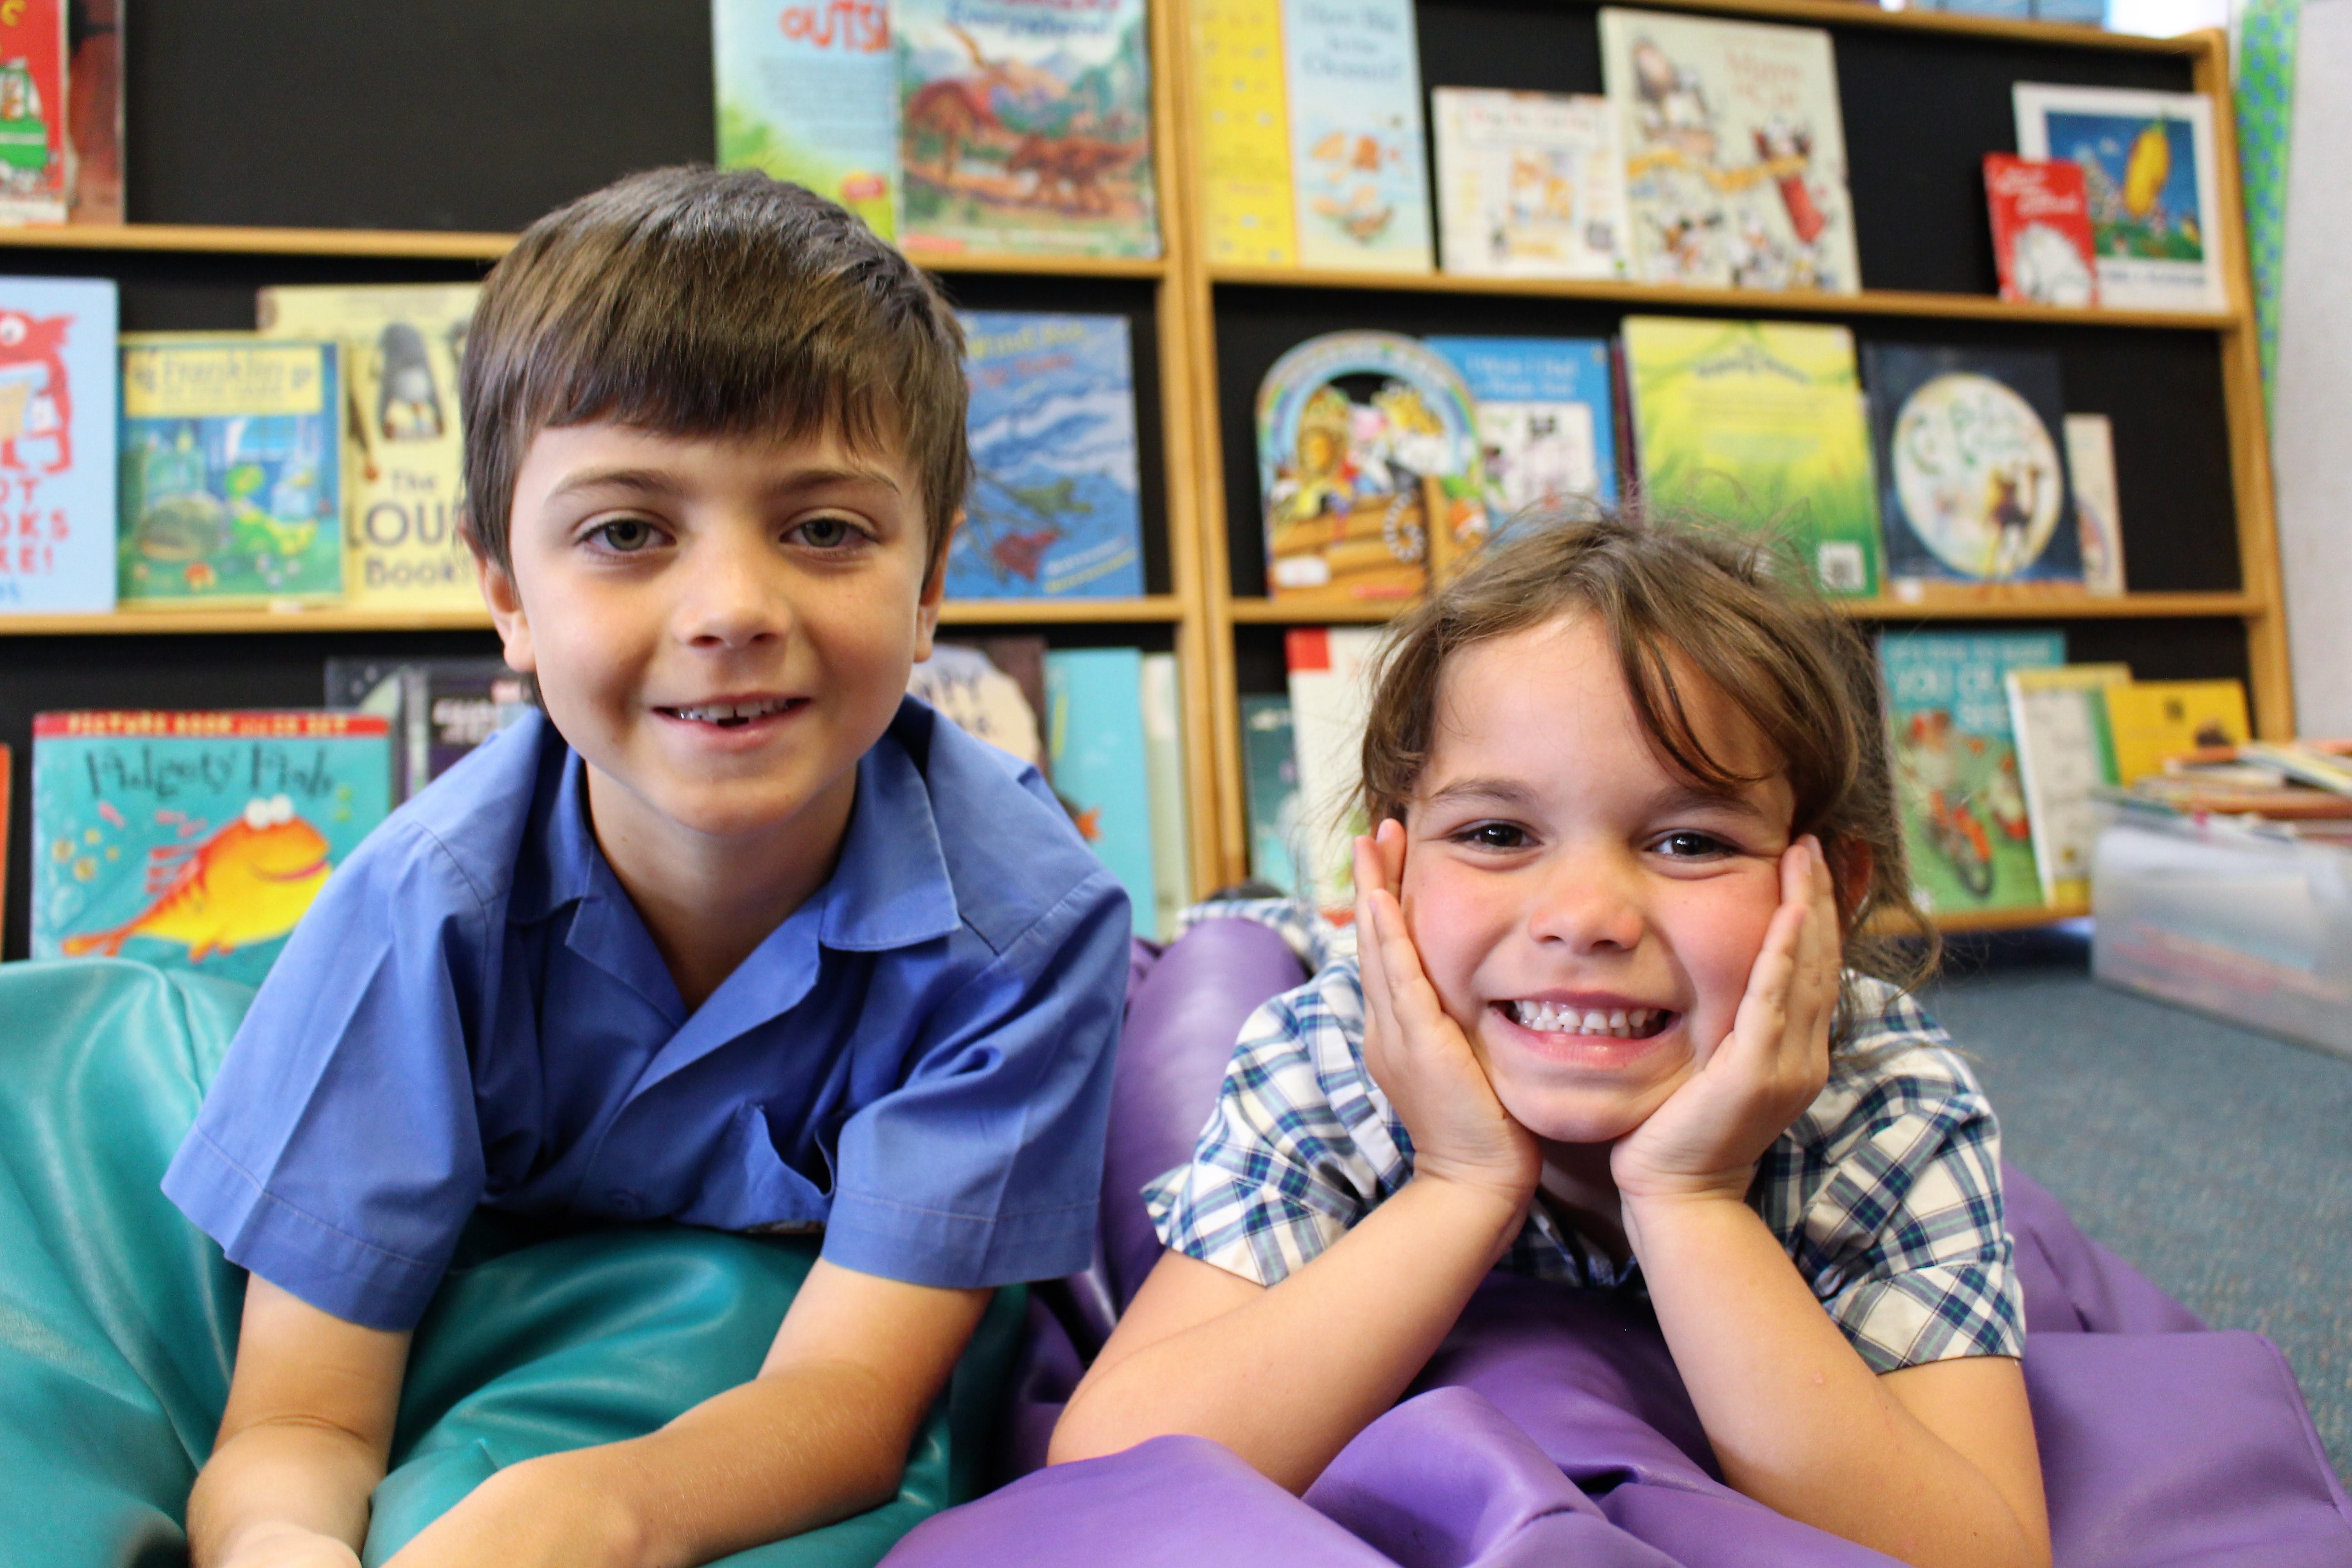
(1704,1141)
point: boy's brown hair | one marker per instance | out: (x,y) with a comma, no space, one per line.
(695,302)
(1683,603)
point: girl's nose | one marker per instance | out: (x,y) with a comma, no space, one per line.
(1588,902)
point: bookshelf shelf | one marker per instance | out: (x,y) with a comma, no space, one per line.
(1961,606)
(1154,608)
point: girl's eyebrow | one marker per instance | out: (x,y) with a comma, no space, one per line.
(1698,797)
(1503,792)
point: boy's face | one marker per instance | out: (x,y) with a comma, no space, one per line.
(1556,869)
(721,626)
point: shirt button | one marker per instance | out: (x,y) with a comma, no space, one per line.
(622,1201)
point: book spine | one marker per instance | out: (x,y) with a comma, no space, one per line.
(1095,736)
(1164,756)
(1246,198)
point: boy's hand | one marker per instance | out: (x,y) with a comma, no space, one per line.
(1704,1141)
(289,1546)
(1419,1056)
(542,1514)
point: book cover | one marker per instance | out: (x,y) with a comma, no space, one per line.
(972,688)
(196,840)
(1532,183)
(1163,758)
(435,710)
(94,111)
(401,345)
(1248,201)
(1758,422)
(1971,485)
(1094,732)
(1024,125)
(1547,433)
(1965,828)
(56,444)
(2098,516)
(35,180)
(1735,152)
(1368,467)
(807,91)
(2064,756)
(2148,168)
(2153,720)
(1270,782)
(1359,158)
(1330,696)
(231,486)
(7,822)
(1055,509)
(2041,230)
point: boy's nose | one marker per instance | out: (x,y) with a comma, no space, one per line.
(730,598)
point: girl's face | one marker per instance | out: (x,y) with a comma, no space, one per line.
(1585,913)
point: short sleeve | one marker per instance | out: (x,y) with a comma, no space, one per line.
(337,1153)
(984,1165)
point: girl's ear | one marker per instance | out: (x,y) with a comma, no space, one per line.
(1852,862)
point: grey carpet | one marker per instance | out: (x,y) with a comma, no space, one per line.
(2217,1161)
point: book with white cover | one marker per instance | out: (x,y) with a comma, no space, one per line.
(1530,185)
(2149,161)
(2063,753)
(1330,696)
(1164,764)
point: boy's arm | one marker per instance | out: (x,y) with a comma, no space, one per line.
(302,1442)
(822,1433)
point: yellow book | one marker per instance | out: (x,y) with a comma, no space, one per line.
(1247,196)
(2152,720)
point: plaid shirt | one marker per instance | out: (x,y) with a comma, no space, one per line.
(1886,1191)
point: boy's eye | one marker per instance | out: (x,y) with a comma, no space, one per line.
(625,535)
(1690,845)
(827,533)
(1493,835)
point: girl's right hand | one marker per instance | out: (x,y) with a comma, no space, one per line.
(1419,1056)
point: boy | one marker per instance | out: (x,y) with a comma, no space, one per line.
(731,935)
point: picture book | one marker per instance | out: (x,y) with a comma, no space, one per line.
(2041,230)
(2149,167)
(2063,754)
(35,178)
(1330,695)
(1971,485)
(1532,183)
(1270,781)
(94,111)
(1094,732)
(2152,720)
(8,824)
(1368,466)
(1547,436)
(436,710)
(1758,422)
(807,91)
(1965,828)
(1024,125)
(196,840)
(231,454)
(1357,153)
(1735,152)
(1163,759)
(401,346)
(1055,509)
(974,691)
(2090,479)
(1248,200)
(56,444)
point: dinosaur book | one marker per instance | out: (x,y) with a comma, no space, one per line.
(196,840)
(1056,507)
(56,444)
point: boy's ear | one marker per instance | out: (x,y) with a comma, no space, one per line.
(935,590)
(506,614)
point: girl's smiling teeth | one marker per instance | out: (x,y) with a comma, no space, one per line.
(730,715)
(1615,1023)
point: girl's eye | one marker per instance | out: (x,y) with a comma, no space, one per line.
(625,535)
(827,533)
(1493,835)
(1691,845)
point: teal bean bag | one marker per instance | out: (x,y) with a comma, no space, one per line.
(118,1318)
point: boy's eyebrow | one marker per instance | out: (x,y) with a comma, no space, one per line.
(656,482)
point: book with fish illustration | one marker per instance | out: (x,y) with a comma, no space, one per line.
(1532,183)
(56,444)
(401,345)
(807,91)
(196,840)
(2148,164)
(2042,245)
(1055,509)
(1546,432)
(1024,125)
(1735,152)
(1095,735)
(1358,154)
(34,165)
(1760,423)
(231,458)
(1368,466)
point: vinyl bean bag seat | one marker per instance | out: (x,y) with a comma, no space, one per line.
(1551,1428)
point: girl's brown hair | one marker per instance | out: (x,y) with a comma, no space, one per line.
(1684,603)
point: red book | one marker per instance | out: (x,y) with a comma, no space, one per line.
(2041,230)
(33,111)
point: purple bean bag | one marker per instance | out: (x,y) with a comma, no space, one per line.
(1551,1428)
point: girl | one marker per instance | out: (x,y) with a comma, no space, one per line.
(1632,804)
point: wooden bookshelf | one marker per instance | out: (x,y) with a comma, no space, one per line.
(1990,604)
(1150,609)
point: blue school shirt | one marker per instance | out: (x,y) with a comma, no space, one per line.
(472,1013)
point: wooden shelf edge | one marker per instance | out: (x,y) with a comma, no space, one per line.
(1952,607)
(1958,922)
(1060,612)
(148,622)
(1848,12)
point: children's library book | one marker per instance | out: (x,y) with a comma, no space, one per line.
(1546,435)
(1248,200)
(1055,507)
(1735,152)
(1972,487)
(2065,755)
(436,710)
(2147,163)
(232,456)
(2042,244)
(807,91)
(1759,422)
(1966,827)
(1163,759)
(1270,769)
(973,692)
(2150,720)
(1330,696)
(94,111)
(1369,464)
(1531,183)
(56,444)
(34,174)
(1094,732)
(2098,516)
(196,840)
(401,346)
(1024,125)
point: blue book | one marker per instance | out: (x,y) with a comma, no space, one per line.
(56,444)
(1094,737)
(1359,150)
(1547,425)
(1055,509)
